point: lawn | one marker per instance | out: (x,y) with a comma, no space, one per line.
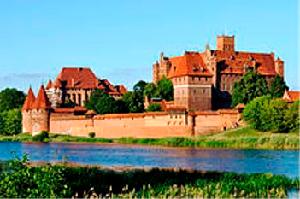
(241,138)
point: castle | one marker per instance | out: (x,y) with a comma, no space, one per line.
(204,80)
(202,83)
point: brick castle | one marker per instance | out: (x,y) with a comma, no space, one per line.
(202,89)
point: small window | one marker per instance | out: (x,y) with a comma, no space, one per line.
(195,91)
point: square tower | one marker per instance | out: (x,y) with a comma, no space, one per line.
(225,43)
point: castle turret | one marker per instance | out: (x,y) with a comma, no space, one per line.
(279,67)
(27,112)
(225,43)
(41,112)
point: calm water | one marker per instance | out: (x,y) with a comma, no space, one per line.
(240,161)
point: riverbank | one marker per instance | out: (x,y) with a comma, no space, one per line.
(23,179)
(242,138)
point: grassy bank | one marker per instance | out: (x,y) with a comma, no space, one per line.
(20,179)
(242,138)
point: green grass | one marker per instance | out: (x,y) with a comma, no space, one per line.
(242,138)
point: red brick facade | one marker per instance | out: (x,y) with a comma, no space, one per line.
(204,80)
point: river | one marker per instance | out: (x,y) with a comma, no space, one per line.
(284,162)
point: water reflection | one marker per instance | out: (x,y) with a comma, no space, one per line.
(241,161)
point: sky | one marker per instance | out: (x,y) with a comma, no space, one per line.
(120,40)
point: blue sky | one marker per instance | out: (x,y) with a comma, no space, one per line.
(120,40)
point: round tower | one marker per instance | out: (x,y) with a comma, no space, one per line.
(40,113)
(27,112)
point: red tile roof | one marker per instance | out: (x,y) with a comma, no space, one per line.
(29,101)
(42,101)
(291,96)
(236,61)
(191,63)
(82,78)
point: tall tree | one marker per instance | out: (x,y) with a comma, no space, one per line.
(278,87)
(11,98)
(251,85)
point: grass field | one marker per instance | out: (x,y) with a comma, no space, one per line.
(242,138)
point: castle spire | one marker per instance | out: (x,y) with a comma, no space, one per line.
(42,101)
(29,101)
(49,85)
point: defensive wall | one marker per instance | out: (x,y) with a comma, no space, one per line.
(144,125)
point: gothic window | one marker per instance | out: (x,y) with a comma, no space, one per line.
(79,100)
(74,98)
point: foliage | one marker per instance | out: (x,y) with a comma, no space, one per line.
(11,122)
(251,85)
(19,180)
(134,101)
(291,118)
(154,107)
(103,103)
(92,134)
(11,98)
(278,86)
(41,137)
(267,114)
(23,180)
(164,89)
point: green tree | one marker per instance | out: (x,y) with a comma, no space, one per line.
(11,122)
(276,114)
(150,90)
(134,101)
(154,107)
(11,98)
(292,119)
(165,89)
(251,85)
(101,102)
(277,87)
(252,113)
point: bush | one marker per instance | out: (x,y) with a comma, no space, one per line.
(11,122)
(92,134)
(267,114)
(19,180)
(154,107)
(41,137)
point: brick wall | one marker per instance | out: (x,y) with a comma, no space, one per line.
(144,125)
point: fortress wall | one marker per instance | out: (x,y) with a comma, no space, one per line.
(210,122)
(153,125)
(144,125)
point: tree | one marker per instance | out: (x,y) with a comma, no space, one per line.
(11,122)
(101,102)
(253,110)
(150,90)
(154,107)
(251,85)
(11,98)
(277,87)
(134,101)
(292,119)
(165,89)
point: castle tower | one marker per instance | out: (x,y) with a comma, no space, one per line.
(279,67)
(27,112)
(41,113)
(225,43)
(161,68)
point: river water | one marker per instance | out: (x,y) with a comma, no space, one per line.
(239,161)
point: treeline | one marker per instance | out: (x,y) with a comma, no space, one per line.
(132,101)
(11,101)
(265,109)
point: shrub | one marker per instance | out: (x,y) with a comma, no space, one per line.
(41,137)
(92,134)
(11,122)
(153,107)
